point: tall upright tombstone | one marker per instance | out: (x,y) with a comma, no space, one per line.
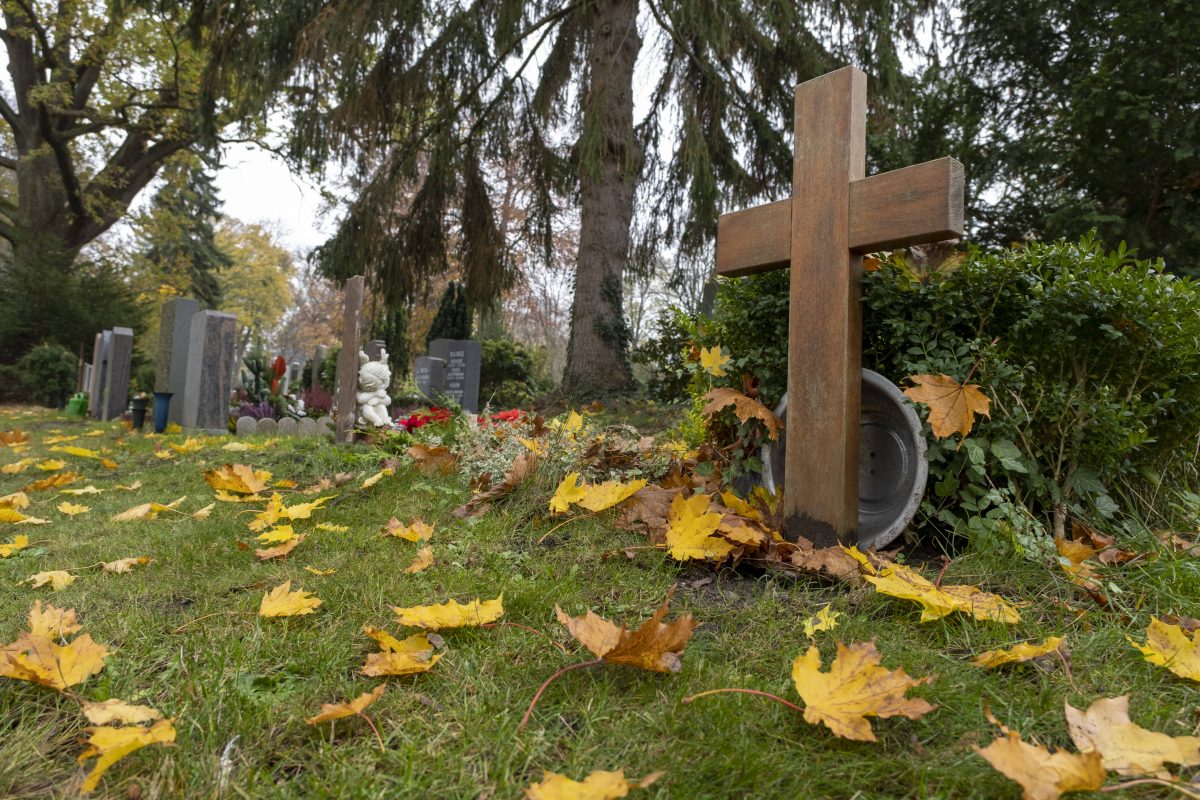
(170,364)
(96,386)
(374,349)
(429,374)
(212,353)
(347,364)
(319,357)
(117,370)
(463,358)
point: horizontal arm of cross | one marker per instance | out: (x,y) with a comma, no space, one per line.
(914,205)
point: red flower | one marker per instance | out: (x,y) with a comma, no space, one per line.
(512,415)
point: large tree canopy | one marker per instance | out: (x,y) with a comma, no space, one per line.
(424,96)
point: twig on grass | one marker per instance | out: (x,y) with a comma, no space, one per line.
(550,680)
(546,535)
(378,738)
(1116,787)
(689,700)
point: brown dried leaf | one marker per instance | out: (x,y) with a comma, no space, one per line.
(744,407)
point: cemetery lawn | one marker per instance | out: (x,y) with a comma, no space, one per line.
(186,639)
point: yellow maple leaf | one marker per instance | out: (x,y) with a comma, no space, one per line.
(110,744)
(823,620)
(655,645)
(57,578)
(332,711)
(10,516)
(423,561)
(38,657)
(237,479)
(740,506)
(316,571)
(58,439)
(1124,746)
(15,544)
(283,602)
(285,483)
(203,513)
(745,408)
(280,533)
(17,500)
(690,529)
(125,564)
(568,492)
(539,447)
(713,360)
(89,489)
(14,437)
(377,477)
(50,465)
(897,580)
(415,531)
(598,785)
(952,406)
(17,467)
(571,426)
(281,550)
(855,687)
(1171,647)
(164,455)
(52,622)
(98,434)
(329,526)
(452,614)
(78,452)
(1042,775)
(189,445)
(601,496)
(114,710)
(1018,653)
(399,656)
(147,510)
(71,509)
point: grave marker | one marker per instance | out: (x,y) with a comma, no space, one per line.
(429,374)
(319,358)
(834,216)
(462,357)
(212,357)
(347,364)
(96,385)
(170,365)
(115,395)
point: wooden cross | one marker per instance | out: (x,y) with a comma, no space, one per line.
(835,215)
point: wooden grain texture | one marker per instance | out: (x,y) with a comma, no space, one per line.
(755,240)
(820,499)
(347,363)
(914,205)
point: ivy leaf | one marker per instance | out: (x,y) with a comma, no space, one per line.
(855,687)
(952,406)
(452,614)
(655,646)
(746,408)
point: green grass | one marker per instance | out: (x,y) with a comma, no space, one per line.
(241,686)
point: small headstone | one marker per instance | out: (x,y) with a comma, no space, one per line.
(347,365)
(212,353)
(96,386)
(87,377)
(374,349)
(429,373)
(170,364)
(319,357)
(287,427)
(247,426)
(268,426)
(325,426)
(462,357)
(307,427)
(117,370)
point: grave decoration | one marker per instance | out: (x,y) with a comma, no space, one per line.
(834,216)
(374,378)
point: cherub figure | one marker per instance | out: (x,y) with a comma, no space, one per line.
(374,377)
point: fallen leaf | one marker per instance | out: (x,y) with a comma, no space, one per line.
(89,489)
(52,482)
(598,785)
(15,544)
(38,657)
(147,511)
(568,492)
(713,360)
(1169,646)
(432,458)
(17,467)
(108,463)
(280,533)
(855,687)
(284,483)
(125,564)
(952,406)
(17,500)
(601,496)
(649,508)
(119,711)
(79,452)
(282,550)
(415,531)
(332,711)
(823,620)
(451,614)
(58,439)
(897,580)
(327,526)
(111,744)
(283,602)
(523,466)
(57,578)
(52,622)
(377,477)
(14,437)
(237,479)
(654,646)
(49,465)
(190,445)
(399,657)
(423,561)
(1125,747)
(316,571)
(71,509)
(1042,775)
(1018,653)
(690,530)
(746,408)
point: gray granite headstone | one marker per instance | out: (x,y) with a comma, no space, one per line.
(96,386)
(212,352)
(87,378)
(117,370)
(374,348)
(429,373)
(268,426)
(247,426)
(287,426)
(170,363)
(462,357)
(319,357)
(307,427)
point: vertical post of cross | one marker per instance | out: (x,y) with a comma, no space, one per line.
(347,363)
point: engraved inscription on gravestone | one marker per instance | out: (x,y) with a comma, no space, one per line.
(462,359)
(429,374)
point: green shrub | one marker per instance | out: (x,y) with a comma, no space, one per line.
(48,373)
(1092,361)
(663,356)
(508,374)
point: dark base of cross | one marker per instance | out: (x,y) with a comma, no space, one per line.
(835,215)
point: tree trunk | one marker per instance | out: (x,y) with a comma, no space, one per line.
(609,164)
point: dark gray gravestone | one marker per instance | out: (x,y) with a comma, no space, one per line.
(462,357)
(212,350)
(99,361)
(429,373)
(170,364)
(374,349)
(116,374)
